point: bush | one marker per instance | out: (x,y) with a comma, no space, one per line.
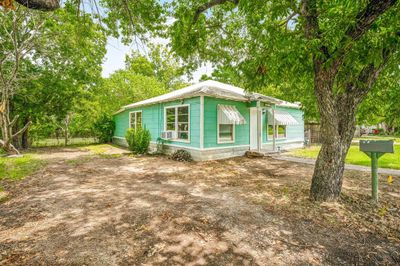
(181,156)
(104,128)
(138,140)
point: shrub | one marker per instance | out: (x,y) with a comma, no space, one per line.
(104,128)
(138,140)
(181,156)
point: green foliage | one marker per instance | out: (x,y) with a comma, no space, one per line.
(104,128)
(132,19)
(181,156)
(124,87)
(18,168)
(160,64)
(138,140)
(255,46)
(58,79)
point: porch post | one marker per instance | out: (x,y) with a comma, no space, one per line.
(273,129)
(259,126)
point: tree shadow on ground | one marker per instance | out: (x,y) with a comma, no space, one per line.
(150,210)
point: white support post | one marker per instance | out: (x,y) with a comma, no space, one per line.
(273,129)
(259,114)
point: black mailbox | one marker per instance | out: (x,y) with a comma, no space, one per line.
(382,146)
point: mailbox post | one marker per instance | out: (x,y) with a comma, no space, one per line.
(375,149)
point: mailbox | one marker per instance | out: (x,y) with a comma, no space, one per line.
(381,146)
(375,149)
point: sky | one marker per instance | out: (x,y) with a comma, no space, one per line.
(115,58)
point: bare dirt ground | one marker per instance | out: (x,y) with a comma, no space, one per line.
(85,208)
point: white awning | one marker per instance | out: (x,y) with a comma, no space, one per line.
(281,118)
(228,114)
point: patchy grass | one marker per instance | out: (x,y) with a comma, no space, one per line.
(18,168)
(97,149)
(355,156)
(80,160)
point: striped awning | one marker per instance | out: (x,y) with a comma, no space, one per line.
(281,118)
(228,114)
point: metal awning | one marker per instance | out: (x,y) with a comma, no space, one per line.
(281,118)
(229,114)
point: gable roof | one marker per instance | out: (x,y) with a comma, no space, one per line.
(214,89)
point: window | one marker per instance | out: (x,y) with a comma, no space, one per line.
(225,127)
(177,119)
(225,133)
(280,132)
(270,131)
(135,119)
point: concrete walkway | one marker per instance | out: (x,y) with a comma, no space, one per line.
(383,171)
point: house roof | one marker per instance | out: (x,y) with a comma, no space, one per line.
(215,89)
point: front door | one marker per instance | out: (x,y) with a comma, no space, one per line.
(253,129)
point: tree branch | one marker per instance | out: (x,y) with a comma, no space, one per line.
(209,5)
(367,17)
(22,129)
(364,21)
(14,121)
(44,5)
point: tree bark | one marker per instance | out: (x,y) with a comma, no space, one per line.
(44,5)
(25,136)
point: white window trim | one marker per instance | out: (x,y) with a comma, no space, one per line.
(221,141)
(130,118)
(176,121)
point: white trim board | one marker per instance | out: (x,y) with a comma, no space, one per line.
(204,149)
(176,120)
(201,122)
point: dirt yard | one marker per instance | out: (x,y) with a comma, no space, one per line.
(90,207)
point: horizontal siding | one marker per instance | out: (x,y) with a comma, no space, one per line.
(242,132)
(295,132)
(153,120)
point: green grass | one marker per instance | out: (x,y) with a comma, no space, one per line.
(355,156)
(97,149)
(18,168)
(60,142)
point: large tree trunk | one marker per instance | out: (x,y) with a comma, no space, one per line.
(327,179)
(337,131)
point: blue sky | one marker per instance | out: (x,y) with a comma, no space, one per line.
(115,58)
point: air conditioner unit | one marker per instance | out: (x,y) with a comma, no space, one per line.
(170,134)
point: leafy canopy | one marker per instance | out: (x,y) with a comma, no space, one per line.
(264,43)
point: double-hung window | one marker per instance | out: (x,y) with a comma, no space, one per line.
(226,133)
(135,119)
(226,128)
(177,119)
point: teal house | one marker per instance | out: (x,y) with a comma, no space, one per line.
(213,120)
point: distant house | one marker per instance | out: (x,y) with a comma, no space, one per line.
(213,120)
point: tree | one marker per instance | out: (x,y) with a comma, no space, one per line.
(160,64)
(381,105)
(337,48)
(124,87)
(20,30)
(55,82)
